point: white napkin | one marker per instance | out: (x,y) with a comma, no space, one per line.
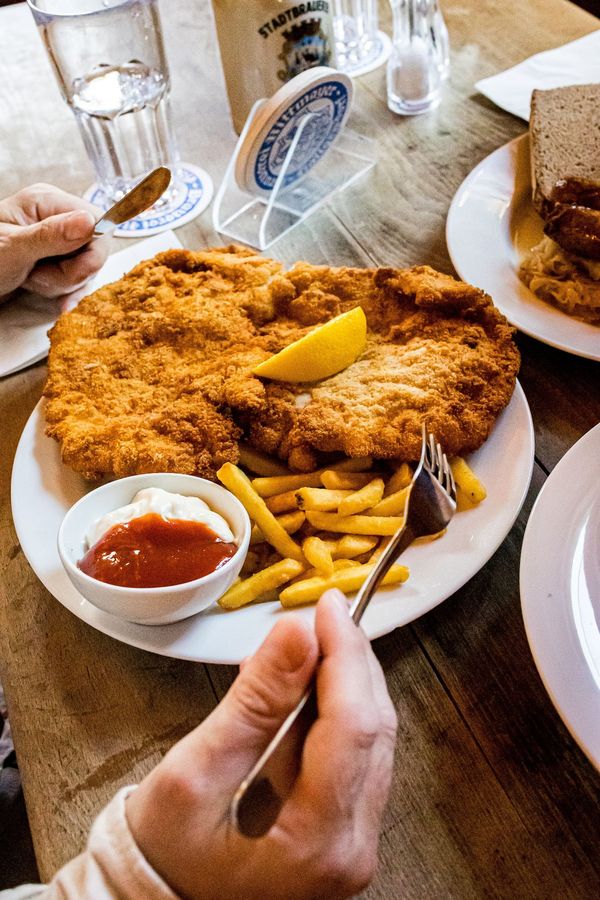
(574,63)
(25,320)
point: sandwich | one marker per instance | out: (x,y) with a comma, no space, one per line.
(564,268)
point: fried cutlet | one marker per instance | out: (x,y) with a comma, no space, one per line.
(437,351)
(154,372)
(139,371)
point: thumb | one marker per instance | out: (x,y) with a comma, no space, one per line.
(58,234)
(264,693)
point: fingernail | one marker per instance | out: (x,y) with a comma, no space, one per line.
(292,646)
(335,598)
(77,225)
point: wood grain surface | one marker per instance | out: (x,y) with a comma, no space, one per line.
(491,796)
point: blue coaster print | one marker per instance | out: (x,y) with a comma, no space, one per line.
(192,194)
(328,103)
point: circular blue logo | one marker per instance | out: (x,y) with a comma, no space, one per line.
(325,107)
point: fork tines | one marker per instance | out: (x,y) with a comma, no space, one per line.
(436,461)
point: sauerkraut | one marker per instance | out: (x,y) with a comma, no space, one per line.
(568,282)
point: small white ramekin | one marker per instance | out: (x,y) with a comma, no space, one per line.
(159,605)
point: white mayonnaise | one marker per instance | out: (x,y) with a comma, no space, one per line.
(165,504)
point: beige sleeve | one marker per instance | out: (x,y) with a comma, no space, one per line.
(112,866)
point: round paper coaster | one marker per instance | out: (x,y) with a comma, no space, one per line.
(325,94)
(381,53)
(190,193)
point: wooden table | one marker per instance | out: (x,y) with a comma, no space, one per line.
(491,796)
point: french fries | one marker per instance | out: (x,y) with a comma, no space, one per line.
(346,579)
(343,481)
(347,499)
(279,484)
(243,592)
(260,463)
(381,525)
(365,498)
(351,545)
(379,550)
(280,503)
(469,489)
(315,573)
(401,478)
(234,479)
(392,505)
(271,596)
(320,498)
(318,555)
(291,522)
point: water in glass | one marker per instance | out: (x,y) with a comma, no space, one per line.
(122,113)
(109,61)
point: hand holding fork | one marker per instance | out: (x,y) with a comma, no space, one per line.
(430,505)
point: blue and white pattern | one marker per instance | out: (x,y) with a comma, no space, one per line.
(193,193)
(327,103)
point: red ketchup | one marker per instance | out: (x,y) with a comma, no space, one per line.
(151,551)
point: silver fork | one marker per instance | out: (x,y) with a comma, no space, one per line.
(430,504)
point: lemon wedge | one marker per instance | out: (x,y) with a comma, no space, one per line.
(322,352)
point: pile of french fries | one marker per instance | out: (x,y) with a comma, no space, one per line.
(344,516)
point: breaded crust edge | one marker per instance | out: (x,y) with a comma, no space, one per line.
(153,372)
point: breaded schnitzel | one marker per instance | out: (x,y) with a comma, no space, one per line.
(154,372)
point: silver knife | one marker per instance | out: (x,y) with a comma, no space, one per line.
(135,201)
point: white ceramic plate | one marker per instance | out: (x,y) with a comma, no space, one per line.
(43,489)
(560,590)
(491,224)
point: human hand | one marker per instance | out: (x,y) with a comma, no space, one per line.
(324,842)
(42,221)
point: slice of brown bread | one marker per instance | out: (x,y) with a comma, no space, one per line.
(564,133)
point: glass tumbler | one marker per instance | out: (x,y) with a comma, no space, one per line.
(355,29)
(110,64)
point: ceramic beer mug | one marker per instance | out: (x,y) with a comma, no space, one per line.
(265,43)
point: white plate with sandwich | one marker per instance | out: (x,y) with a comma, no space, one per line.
(492,225)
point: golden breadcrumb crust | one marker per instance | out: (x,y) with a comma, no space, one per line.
(153,373)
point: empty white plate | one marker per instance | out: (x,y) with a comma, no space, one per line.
(560,589)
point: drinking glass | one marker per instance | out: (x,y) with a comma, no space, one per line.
(355,29)
(110,64)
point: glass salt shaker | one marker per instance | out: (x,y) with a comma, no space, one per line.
(419,59)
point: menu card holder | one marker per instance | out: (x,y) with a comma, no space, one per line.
(261,219)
